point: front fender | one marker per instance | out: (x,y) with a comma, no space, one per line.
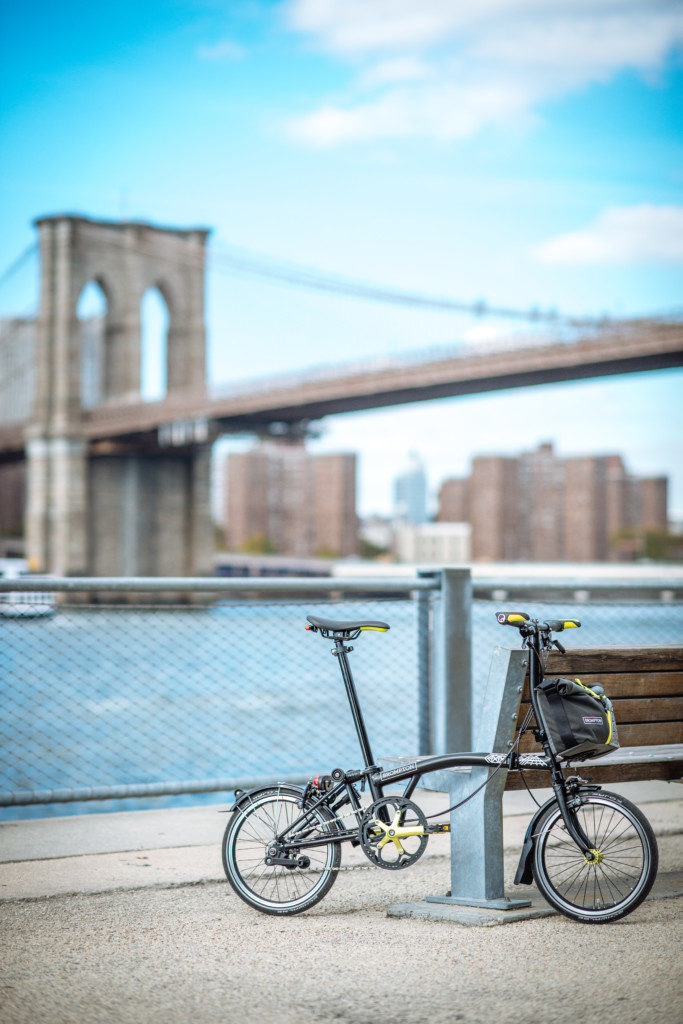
(525,874)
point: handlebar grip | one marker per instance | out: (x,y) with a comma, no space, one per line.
(512,618)
(557,625)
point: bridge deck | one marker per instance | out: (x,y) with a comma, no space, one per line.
(647,346)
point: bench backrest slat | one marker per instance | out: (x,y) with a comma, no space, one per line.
(628,684)
(644,734)
(648,709)
(664,657)
(631,710)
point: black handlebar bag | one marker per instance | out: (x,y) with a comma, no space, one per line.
(579,723)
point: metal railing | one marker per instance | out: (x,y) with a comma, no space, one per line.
(175,687)
(119,688)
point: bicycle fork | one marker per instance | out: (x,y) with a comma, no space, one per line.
(564,801)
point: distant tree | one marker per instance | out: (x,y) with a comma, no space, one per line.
(370,551)
(325,552)
(258,544)
(655,545)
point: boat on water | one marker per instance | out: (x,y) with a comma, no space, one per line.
(24,604)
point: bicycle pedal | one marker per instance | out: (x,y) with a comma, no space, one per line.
(439,828)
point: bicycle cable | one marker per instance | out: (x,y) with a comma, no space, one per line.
(523,729)
(506,760)
(513,750)
(526,786)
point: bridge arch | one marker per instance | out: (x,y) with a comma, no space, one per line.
(125,259)
(155,318)
(92,311)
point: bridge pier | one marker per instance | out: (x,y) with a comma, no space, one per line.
(56,511)
(126,514)
(149,514)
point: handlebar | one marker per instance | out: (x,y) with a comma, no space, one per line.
(520,620)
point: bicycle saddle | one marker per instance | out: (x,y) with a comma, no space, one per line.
(347,625)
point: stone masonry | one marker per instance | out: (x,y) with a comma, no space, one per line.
(115,508)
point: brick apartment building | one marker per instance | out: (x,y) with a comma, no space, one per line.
(297,503)
(539,507)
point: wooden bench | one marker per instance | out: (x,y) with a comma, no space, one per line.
(645,684)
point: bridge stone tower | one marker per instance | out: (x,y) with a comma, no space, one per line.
(125,507)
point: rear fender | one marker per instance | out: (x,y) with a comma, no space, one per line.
(245,796)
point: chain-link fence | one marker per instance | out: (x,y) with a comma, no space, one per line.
(112,695)
(132,695)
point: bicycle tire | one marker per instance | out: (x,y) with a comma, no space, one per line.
(277,890)
(604,891)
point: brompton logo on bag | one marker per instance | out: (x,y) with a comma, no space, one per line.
(592,720)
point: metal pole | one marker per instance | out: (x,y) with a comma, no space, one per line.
(455,658)
(425,738)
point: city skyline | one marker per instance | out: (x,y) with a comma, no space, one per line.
(539,505)
(542,506)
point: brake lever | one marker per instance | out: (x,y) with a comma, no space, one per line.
(561,649)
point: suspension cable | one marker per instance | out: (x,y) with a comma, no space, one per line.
(18,262)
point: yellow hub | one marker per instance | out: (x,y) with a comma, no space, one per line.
(598,857)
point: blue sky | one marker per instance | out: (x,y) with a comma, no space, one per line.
(522,152)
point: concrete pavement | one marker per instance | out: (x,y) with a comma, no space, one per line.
(139,849)
(129,919)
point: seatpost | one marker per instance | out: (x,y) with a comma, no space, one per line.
(341,653)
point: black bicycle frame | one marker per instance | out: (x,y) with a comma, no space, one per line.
(344,793)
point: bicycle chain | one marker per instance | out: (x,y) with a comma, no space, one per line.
(348,867)
(362,867)
(365,867)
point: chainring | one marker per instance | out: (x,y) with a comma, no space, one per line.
(392,833)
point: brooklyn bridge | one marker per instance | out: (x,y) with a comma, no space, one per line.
(120,486)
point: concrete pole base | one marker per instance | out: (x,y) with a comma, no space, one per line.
(466,901)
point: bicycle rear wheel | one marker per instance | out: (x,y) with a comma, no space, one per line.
(620,877)
(278,889)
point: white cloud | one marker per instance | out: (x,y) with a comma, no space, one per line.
(365,26)
(643,234)
(434,110)
(448,68)
(224,49)
(397,69)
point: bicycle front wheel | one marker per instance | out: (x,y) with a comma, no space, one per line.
(278,889)
(625,865)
